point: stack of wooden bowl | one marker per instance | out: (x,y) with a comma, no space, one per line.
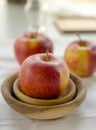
(43,109)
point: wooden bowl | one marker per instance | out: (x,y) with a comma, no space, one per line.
(68,95)
(42,112)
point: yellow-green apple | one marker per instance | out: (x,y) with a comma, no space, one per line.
(43,76)
(30,43)
(80,57)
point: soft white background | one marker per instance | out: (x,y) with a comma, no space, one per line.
(12,23)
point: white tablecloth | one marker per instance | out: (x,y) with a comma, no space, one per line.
(82,118)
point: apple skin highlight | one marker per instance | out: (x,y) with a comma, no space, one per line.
(43,79)
(80,58)
(31,43)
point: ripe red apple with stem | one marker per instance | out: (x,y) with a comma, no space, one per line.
(43,76)
(80,56)
(30,43)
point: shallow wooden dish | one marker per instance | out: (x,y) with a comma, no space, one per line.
(68,95)
(42,112)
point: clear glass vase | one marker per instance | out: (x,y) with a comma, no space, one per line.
(34,14)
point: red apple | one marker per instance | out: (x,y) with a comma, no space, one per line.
(43,76)
(31,43)
(80,57)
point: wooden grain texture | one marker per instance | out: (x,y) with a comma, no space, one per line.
(42,112)
(72,24)
(67,95)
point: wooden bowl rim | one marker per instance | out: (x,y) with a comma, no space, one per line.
(6,88)
(68,95)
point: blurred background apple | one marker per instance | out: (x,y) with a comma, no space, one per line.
(31,43)
(80,57)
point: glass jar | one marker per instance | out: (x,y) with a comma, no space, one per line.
(34,14)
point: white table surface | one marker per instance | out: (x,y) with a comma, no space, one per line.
(82,118)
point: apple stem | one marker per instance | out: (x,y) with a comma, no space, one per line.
(47,51)
(78,35)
